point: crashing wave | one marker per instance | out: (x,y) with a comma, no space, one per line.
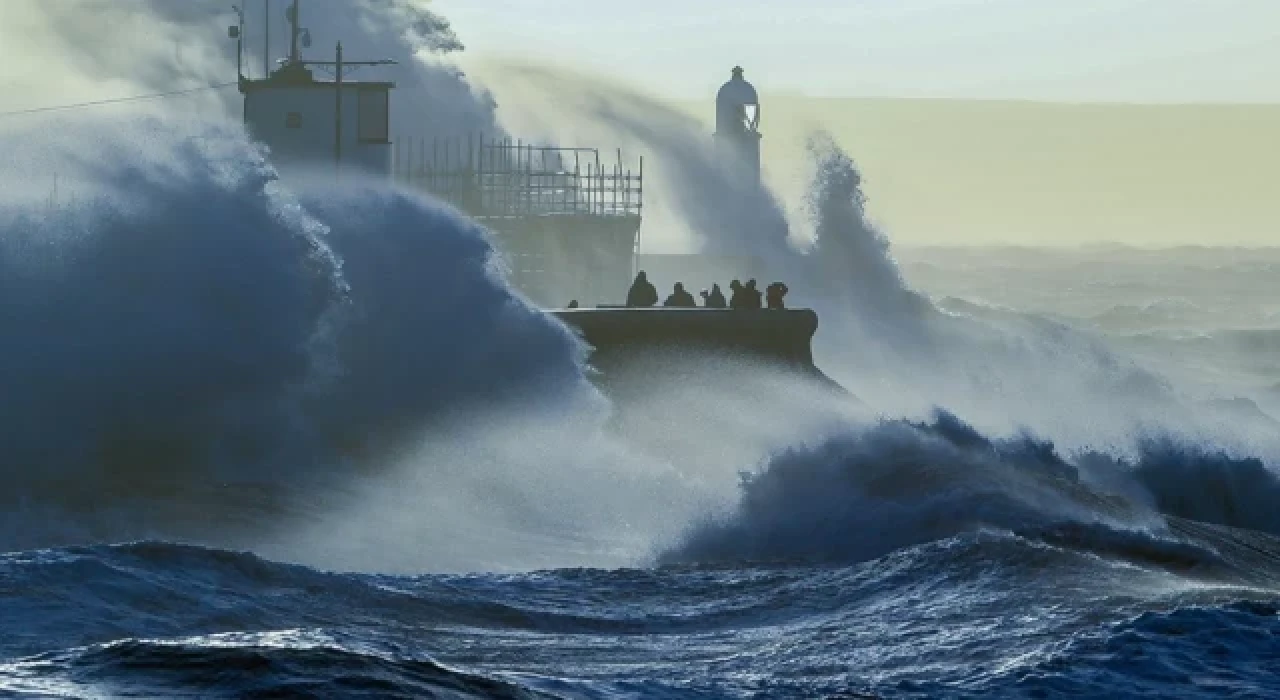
(189,337)
(869,491)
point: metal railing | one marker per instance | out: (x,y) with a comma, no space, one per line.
(501,178)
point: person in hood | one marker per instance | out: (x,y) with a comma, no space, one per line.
(642,293)
(752,295)
(714,299)
(773,295)
(680,298)
(738,295)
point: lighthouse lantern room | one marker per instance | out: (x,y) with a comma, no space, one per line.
(738,125)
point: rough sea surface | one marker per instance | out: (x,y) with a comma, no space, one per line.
(978,615)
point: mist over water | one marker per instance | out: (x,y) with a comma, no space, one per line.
(692,203)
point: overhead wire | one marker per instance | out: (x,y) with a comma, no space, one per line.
(117,100)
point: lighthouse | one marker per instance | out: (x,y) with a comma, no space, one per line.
(309,122)
(738,126)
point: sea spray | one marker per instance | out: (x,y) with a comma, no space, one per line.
(161,46)
(192,337)
(850,256)
(1002,370)
(886,342)
(692,202)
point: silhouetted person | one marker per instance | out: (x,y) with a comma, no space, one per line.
(680,298)
(573,304)
(714,300)
(737,296)
(752,295)
(773,295)
(642,292)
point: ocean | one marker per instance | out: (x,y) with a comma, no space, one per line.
(301,440)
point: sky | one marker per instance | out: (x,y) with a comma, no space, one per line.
(1059,50)
(1195,162)
(938,171)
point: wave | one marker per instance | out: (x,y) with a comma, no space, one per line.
(1162,313)
(159,617)
(1243,343)
(150,590)
(296,663)
(189,336)
(866,492)
(1209,485)
(1193,651)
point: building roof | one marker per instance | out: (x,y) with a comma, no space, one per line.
(296,76)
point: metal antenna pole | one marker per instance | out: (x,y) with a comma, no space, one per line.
(238,32)
(296,20)
(266,38)
(337,117)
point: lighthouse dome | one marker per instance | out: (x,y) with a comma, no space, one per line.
(737,91)
(737,105)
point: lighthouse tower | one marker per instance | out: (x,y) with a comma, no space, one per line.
(308,122)
(738,126)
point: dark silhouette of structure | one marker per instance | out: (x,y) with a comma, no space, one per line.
(642,292)
(629,345)
(680,298)
(738,126)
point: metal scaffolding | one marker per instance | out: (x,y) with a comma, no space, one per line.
(504,179)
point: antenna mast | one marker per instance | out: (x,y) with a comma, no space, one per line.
(236,31)
(295,31)
(266,38)
(337,115)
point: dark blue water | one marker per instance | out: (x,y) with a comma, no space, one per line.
(199,363)
(897,560)
(981,615)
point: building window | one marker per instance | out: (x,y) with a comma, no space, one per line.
(293,120)
(375,123)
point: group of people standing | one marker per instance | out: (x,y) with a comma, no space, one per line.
(743,296)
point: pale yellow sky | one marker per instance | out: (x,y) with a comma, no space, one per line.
(937,171)
(968,172)
(1073,50)
(982,165)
